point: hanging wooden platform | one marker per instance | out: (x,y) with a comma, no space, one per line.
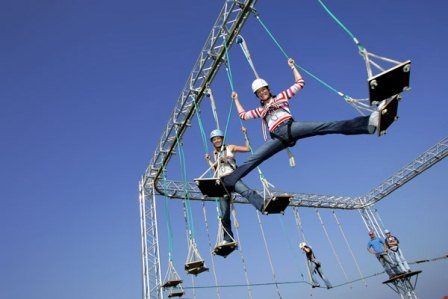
(176,294)
(226,249)
(212,187)
(388,114)
(171,283)
(402,276)
(195,267)
(277,204)
(390,82)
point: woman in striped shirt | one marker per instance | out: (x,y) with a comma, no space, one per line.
(284,131)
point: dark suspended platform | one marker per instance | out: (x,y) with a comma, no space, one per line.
(390,82)
(225,249)
(171,283)
(212,187)
(195,267)
(276,204)
(405,275)
(388,114)
(176,294)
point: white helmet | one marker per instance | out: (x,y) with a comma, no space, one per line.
(216,133)
(301,245)
(257,84)
(386,231)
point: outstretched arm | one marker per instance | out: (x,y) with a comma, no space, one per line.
(238,105)
(295,71)
(241,148)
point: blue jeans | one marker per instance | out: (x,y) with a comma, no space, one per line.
(398,258)
(287,134)
(251,195)
(388,264)
(314,269)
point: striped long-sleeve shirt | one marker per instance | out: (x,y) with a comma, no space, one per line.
(277,109)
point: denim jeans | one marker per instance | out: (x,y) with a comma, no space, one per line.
(388,264)
(283,136)
(314,269)
(251,195)
(398,258)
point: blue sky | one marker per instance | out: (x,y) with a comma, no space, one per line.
(87,88)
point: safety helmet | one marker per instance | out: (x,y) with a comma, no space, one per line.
(301,245)
(386,231)
(258,83)
(216,133)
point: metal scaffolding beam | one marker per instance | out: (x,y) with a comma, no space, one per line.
(433,155)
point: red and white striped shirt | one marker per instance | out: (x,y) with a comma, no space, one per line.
(277,109)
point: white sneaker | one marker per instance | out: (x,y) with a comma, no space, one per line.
(374,119)
(373,122)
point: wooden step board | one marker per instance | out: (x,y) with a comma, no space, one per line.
(277,204)
(390,82)
(226,249)
(212,187)
(388,114)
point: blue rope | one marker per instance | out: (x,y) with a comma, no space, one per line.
(300,67)
(230,79)
(189,216)
(201,126)
(360,47)
(168,219)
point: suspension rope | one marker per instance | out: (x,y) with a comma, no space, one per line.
(302,233)
(333,16)
(213,106)
(269,255)
(291,246)
(201,126)
(331,245)
(349,247)
(210,246)
(187,206)
(346,97)
(240,250)
(168,219)
(280,283)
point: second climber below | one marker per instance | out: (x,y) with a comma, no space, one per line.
(283,130)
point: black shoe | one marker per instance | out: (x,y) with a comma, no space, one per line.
(315,286)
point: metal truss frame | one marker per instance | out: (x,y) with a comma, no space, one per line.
(177,189)
(226,28)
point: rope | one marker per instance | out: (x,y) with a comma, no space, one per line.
(201,126)
(349,247)
(243,260)
(300,228)
(269,256)
(230,79)
(332,15)
(187,207)
(213,105)
(168,219)
(291,246)
(346,97)
(331,245)
(210,246)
